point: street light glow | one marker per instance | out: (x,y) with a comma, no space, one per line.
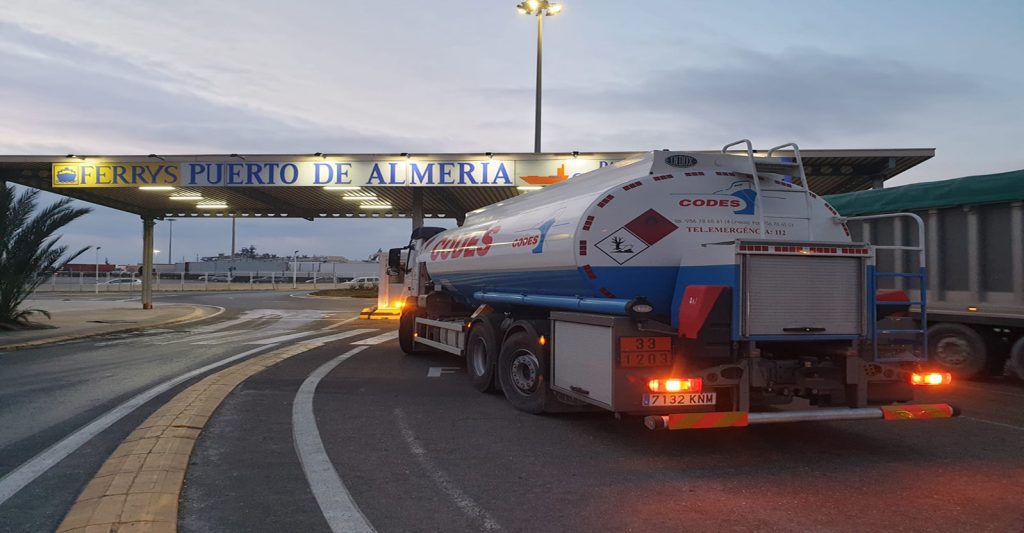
(538,7)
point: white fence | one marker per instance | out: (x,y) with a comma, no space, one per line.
(180,281)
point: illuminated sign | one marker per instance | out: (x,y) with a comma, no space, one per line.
(325,173)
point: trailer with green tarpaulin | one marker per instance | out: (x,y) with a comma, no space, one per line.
(974,233)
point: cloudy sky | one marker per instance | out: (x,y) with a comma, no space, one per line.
(409,76)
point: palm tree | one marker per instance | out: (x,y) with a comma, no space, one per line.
(29,249)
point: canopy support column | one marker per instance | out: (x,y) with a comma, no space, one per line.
(417,207)
(147,261)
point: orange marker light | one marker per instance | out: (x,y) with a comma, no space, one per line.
(675,385)
(542,340)
(931,378)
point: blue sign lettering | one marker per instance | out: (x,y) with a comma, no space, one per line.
(375,175)
(284,173)
(341,173)
(502,174)
(420,177)
(394,175)
(444,170)
(324,168)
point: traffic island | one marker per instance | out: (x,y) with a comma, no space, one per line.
(79,319)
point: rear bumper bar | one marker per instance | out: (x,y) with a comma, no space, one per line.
(743,419)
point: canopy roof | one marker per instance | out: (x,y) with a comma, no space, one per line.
(970,190)
(829,172)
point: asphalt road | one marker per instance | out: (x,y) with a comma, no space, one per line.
(419,450)
(416,448)
(48,393)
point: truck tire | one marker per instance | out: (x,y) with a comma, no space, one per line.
(482,356)
(1015,365)
(406,328)
(523,369)
(957,349)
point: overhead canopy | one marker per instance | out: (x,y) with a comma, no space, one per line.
(971,190)
(365,185)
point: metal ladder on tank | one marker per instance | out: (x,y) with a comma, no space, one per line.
(922,279)
(772,167)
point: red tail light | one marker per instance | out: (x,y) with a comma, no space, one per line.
(931,378)
(675,385)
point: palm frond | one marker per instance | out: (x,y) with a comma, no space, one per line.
(30,247)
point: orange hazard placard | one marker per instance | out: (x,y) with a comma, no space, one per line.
(645,351)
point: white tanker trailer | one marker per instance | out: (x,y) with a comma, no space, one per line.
(694,289)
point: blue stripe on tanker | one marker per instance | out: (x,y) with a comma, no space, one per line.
(657,284)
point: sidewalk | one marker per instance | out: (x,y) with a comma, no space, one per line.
(78,318)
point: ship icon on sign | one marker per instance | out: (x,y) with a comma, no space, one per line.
(67,175)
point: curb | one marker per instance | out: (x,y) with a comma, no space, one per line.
(195,315)
(315,297)
(139,485)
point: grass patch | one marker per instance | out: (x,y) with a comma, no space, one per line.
(351,293)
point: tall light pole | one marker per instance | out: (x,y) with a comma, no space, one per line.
(170,240)
(295,272)
(541,9)
(97,250)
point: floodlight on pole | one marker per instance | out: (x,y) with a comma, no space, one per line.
(97,250)
(540,9)
(170,240)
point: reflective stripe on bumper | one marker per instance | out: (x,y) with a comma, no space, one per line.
(742,419)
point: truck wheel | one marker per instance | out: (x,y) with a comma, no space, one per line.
(406,328)
(957,349)
(1016,363)
(523,372)
(482,356)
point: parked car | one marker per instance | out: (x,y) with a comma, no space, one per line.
(366,282)
(122,281)
(321,279)
(215,278)
(267,279)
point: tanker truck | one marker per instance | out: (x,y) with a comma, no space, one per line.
(692,289)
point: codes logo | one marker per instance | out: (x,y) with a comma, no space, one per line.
(471,244)
(738,197)
(536,241)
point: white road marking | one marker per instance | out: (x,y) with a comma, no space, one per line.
(436,371)
(336,503)
(284,338)
(342,323)
(383,337)
(342,335)
(221,325)
(1000,424)
(461,500)
(204,336)
(244,335)
(18,478)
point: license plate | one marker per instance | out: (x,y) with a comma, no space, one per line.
(681,400)
(645,351)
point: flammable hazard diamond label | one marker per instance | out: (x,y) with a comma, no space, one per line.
(651,227)
(621,245)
